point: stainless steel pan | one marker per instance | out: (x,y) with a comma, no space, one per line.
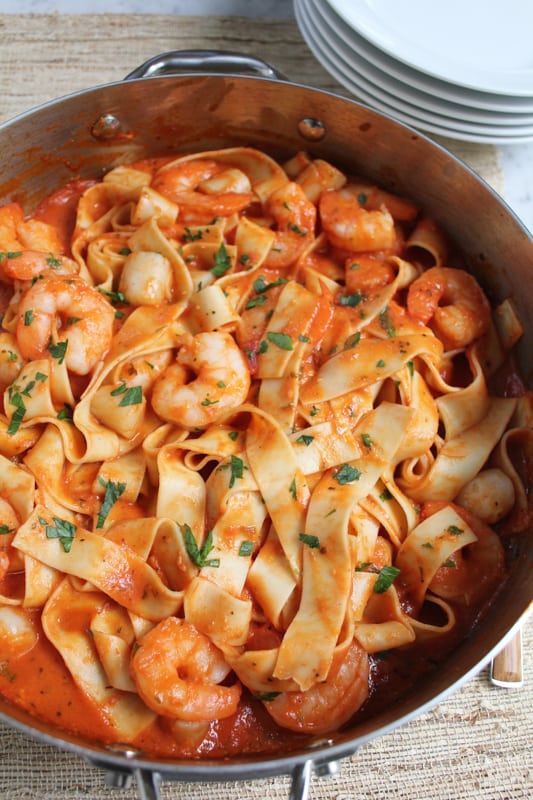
(212,104)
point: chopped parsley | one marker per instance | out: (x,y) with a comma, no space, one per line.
(351,299)
(62,529)
(131,396)
(367,440)
(385,323)
(112,493)
(58,350)
(28,317)
(259,300)
(15,399)
(296,229)
(347,474)
(386,578)
(199,555)
(352,341)
(115,297)
(66,413)
(246,548)
(454,529)
(281,340)
(305,439)
(222,261)
(192,236)
(236,465)
(266,697)
(260,285)
(311,541)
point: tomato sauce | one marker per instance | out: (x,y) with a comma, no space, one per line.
(39,683)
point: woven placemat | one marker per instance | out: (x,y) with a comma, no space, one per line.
(476,745)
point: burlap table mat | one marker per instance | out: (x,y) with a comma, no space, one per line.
(476,745)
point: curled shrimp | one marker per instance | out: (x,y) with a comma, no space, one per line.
(367,274)
(329,704)
(452,303)
(30,264)
(349,225)
(221,384)
(177,671)
(472,572)
(204,189)
(67,311)
(295,219)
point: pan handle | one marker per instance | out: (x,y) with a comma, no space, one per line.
(301,781)
(205,61)
(148,784)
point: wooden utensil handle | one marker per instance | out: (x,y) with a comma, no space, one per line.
(506,668)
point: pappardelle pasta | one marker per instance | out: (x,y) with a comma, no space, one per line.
(260,437)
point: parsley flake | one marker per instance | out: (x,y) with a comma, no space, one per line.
(347,474)
(281,340)
(311,541)
(386,578)
(199,555)
(62,529)
(58,350)
(246,548)
(112,493)
(222,261)
(351,300)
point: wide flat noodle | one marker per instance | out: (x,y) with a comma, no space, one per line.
(255,400)
(116,571)
(307,648)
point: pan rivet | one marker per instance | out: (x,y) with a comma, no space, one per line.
(106,127)
(311,129)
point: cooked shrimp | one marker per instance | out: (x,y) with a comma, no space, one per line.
(204,189)
(452,303)
(295,219)
(367,274)
(350,226)
(17,631)
(17,233)
(29,264)
(472,572)
(65,310)
(327,705)
(177,671)
(221,384)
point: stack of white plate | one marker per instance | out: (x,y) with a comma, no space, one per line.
(457,68)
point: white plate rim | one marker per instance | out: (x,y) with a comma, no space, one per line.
(413,122)
(422,80)
(417,97)
(361,15)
